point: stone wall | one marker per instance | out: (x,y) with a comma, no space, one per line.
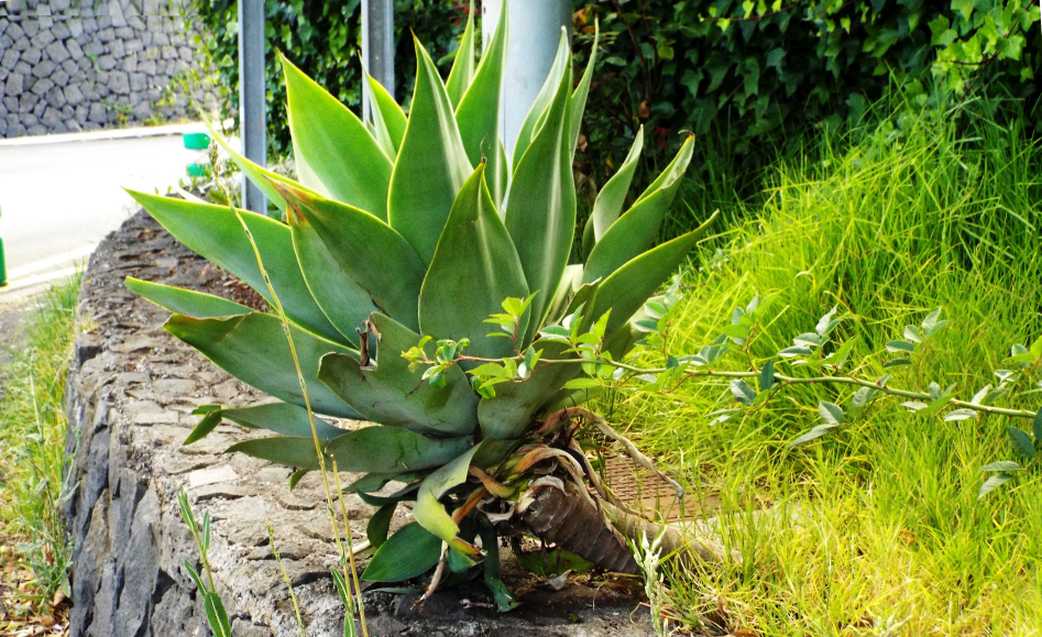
(130,394)
(70,65)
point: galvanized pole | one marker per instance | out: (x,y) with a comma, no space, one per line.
(535,30)
(377,46)
(251,95)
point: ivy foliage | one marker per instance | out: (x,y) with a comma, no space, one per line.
(324,40)
(753,70)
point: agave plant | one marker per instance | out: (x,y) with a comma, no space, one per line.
(430,292)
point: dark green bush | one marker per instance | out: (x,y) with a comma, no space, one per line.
(750,72)
(324,39)
(742,75)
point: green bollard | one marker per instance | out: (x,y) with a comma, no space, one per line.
(3,266)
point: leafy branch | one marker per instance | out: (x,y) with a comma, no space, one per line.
(826,363)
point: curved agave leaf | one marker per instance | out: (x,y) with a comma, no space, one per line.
(281,418)
(541,217)
(478,112)
(429,512)
(410,552)
(190,302)
(577,103)
(388,117)
(291,451)
(462,72)
(393,449)
(625,290)
(507,415)
(334,152)
(369,251)
(343,302)
(431,165)
(215,233)
(538,112)
(390,393)
(253,348)
(636,230)
(610,199)
(474,267)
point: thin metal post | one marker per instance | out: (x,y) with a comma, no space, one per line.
(535,30)
(251,95)
(377,46)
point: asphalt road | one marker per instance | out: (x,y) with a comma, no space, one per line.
(59,199)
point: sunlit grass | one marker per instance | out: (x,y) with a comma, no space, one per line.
(937,208)
(32,440)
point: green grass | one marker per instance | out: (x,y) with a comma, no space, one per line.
(32,437)
(932,208)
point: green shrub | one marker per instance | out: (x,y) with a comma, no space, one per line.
(747,72)
(323,39)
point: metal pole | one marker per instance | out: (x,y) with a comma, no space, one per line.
(251,96)
(535,30)
(377,46)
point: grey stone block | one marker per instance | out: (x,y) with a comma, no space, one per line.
(73,47)
(55,98)
(44,37)
(21,43)
(57,52)
(116,14)
(60,31)
(75,27)
(15,31)
(60,78)
(94,47)
(44,68)
(124,33)
(32,55)
(23,68)
(106,35)
(98,113)
(52,118)
(147,67)
(71,67)
(133,46)
(106,62)
(119,82)
(138,82)
(37,129)
(9,59)
(27,102)
(117,49)
(41,86)
(169,53)
(80,112)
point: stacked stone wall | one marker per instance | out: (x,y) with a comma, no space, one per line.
(71,65)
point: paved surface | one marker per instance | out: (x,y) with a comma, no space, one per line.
(59,198)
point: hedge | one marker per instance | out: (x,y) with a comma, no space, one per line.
(742,73)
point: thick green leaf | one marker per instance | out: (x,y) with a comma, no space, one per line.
(635,231)
(542,104)
(429,512)
(334,152)
(478,112)
(511,411)
(215,233)
(540,214)
(410,552)
(577,103)
(190,302)
(390,393)
(368,250)
(393,450)
(253,348)
(474,267)
(388,117)
(462,72)
(431,165)
(625,290)
(344,302)
(379,524)
(285,450)
(256,173)
(281,418)
(610,199)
